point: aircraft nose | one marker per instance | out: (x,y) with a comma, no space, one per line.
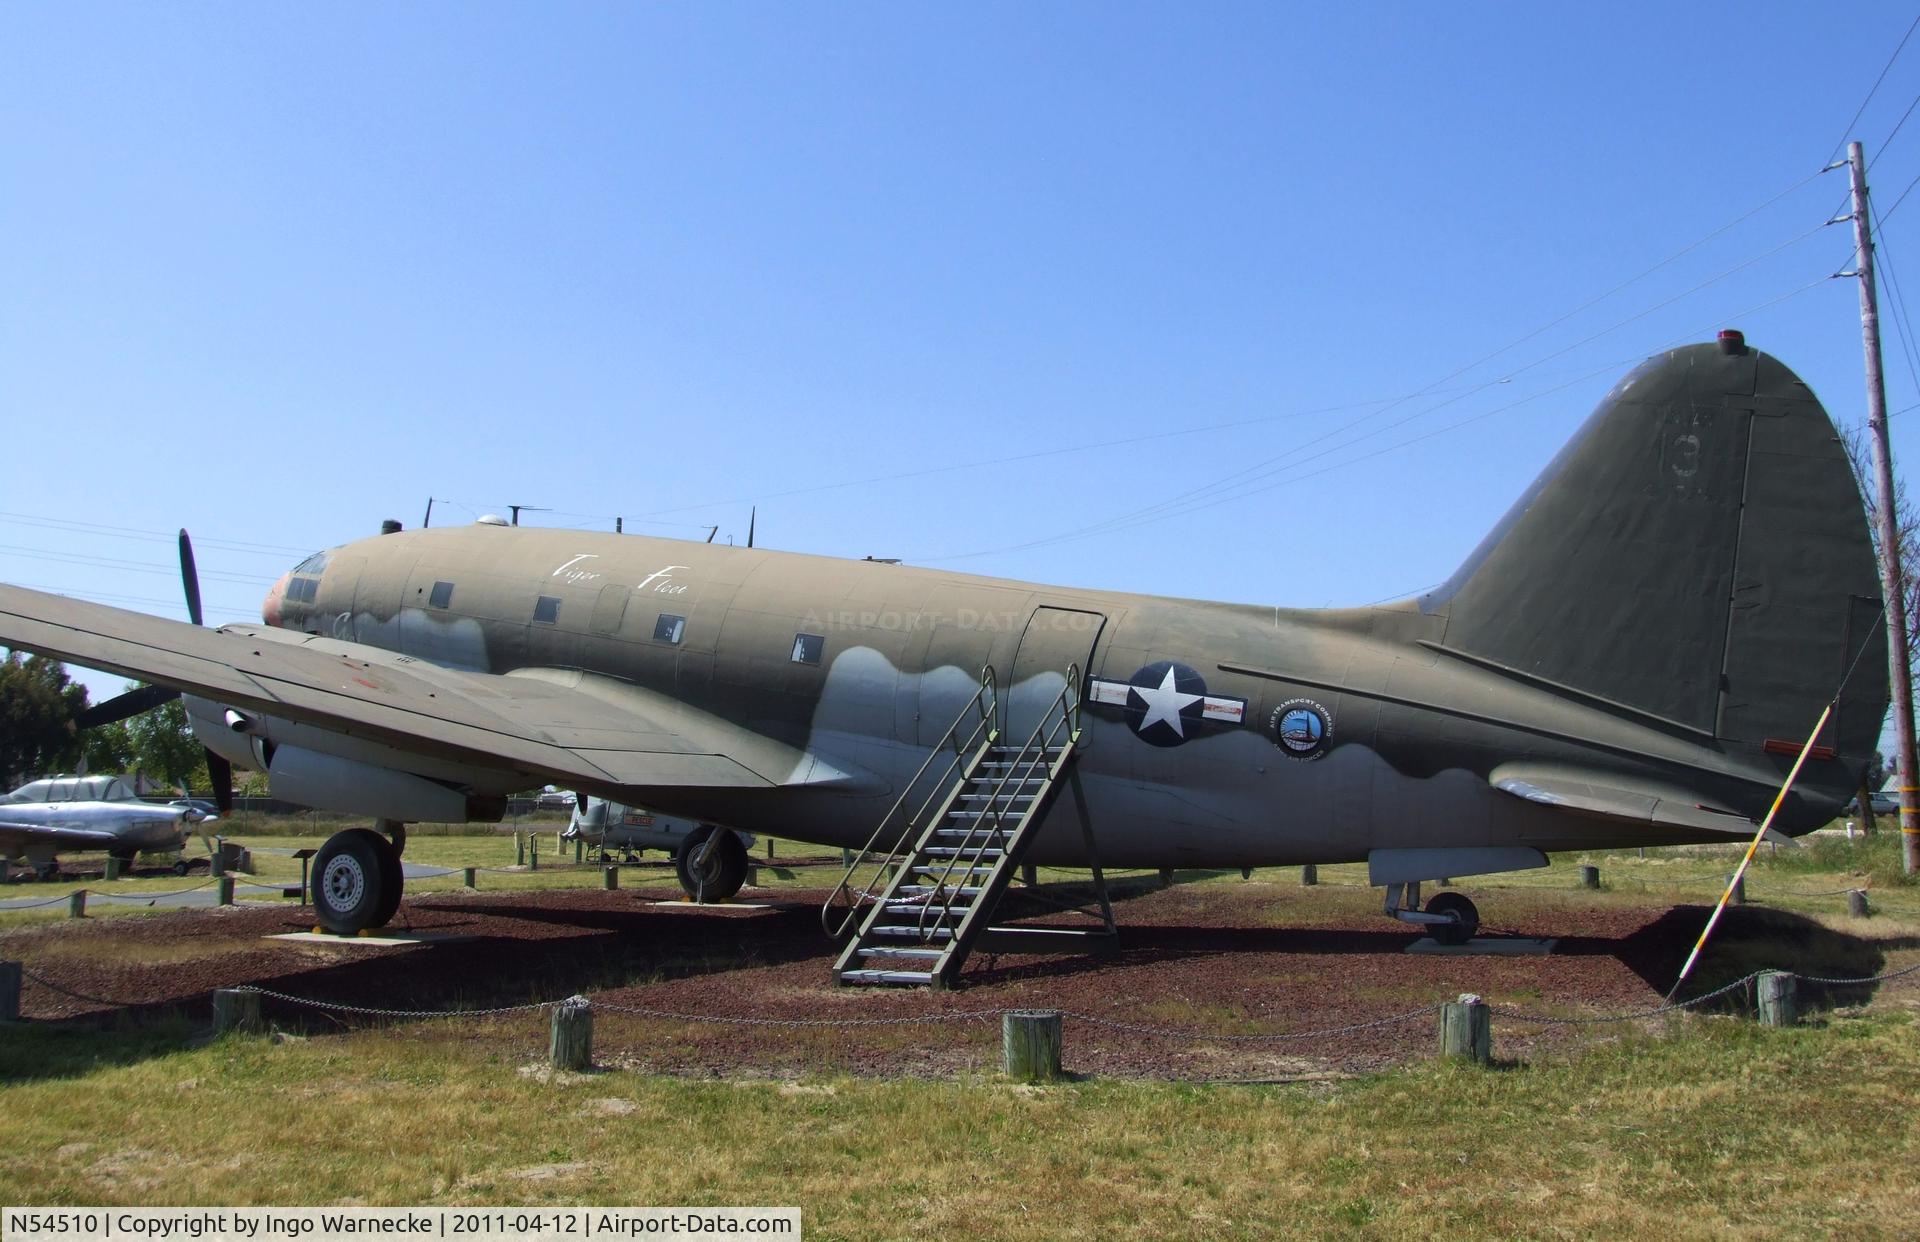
(270,609)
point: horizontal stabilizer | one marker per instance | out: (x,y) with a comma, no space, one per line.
(1624,799)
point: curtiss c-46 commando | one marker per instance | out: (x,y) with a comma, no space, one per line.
(1631,657)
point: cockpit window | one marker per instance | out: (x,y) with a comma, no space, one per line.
(314,565)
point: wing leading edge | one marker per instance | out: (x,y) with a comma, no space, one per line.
(564,725)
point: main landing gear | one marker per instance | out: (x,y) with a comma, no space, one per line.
(711,864)
(357,878)
(1450,918)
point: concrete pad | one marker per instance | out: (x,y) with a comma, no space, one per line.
(711,907)
(374,942)
(1504,946)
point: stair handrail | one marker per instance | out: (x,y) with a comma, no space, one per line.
(985,730)
(1062,713)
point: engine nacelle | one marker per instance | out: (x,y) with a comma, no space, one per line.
(356,788)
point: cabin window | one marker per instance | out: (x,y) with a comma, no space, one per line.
(807,648)
(442,595)
(669,628)
(546,609)
(61,791)
(302,590)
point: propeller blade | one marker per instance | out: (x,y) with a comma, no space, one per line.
(121,706)
(752,515)
(190,578)
(221,773)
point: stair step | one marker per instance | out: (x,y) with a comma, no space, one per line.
(950,869)
(934,932)
(915,910)
(882,950)
(972,836)
(886,976)
(952,851)
(922,890)
(1012,812)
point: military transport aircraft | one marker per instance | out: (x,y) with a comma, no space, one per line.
(1631,657)
(59,814)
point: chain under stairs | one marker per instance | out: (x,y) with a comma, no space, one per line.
(928,905)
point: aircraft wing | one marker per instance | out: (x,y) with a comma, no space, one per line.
(564,725)
(1615,797)
(15,836)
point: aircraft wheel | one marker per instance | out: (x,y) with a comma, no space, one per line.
(723,871)
(48,871)
(356,881)
(1466,918)
(181,867)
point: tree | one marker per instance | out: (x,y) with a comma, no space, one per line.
(108,747)
(37,706)
(164,746)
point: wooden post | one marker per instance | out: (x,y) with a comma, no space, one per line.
(225,890)
(572,1044)
(236,1009)
(1466,1030)
(1590,877)
(469,876)
(519,850)
(1739,897)
(1779,998)
(1029,875)
(533,851)
(9,991)
(769,847)
(610,877)
(579,849)
(114,867)
(846,857)
(753,875)
(217,863)
(1857,903)
(1166,877)
(1030,1044)
(77,904)
(1309,876)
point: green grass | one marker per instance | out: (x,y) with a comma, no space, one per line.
(1713,1126)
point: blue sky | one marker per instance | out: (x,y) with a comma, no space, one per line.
(950,284)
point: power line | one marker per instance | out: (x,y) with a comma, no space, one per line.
(130,532)
(1872,91)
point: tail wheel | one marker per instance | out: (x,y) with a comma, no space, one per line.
(720,873)
(1465,916)
(356,881)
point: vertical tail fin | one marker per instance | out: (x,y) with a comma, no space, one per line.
(1698,553)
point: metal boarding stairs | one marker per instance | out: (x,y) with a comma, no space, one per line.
(929,904)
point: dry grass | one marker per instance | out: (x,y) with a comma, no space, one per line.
(1717,1126)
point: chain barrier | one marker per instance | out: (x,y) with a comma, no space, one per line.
(34,905)
(1173,1033)
(964,1015)
(401,1013)
(51,986)
(149,897)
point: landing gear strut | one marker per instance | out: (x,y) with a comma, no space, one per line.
(1450,918)
(357,880)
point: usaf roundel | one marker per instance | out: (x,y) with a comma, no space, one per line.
(1166,703)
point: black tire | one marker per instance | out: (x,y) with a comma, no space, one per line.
(393,880)
(355,881)
(182,866)
(47,871)
(1466,918)
(725,869)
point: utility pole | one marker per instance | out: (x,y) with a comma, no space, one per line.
(1893,589)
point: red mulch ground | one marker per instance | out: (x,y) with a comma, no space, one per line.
(1197,963)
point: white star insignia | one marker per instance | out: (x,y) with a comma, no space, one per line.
(1164,703)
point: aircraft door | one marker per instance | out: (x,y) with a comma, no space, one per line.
(1054,638)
